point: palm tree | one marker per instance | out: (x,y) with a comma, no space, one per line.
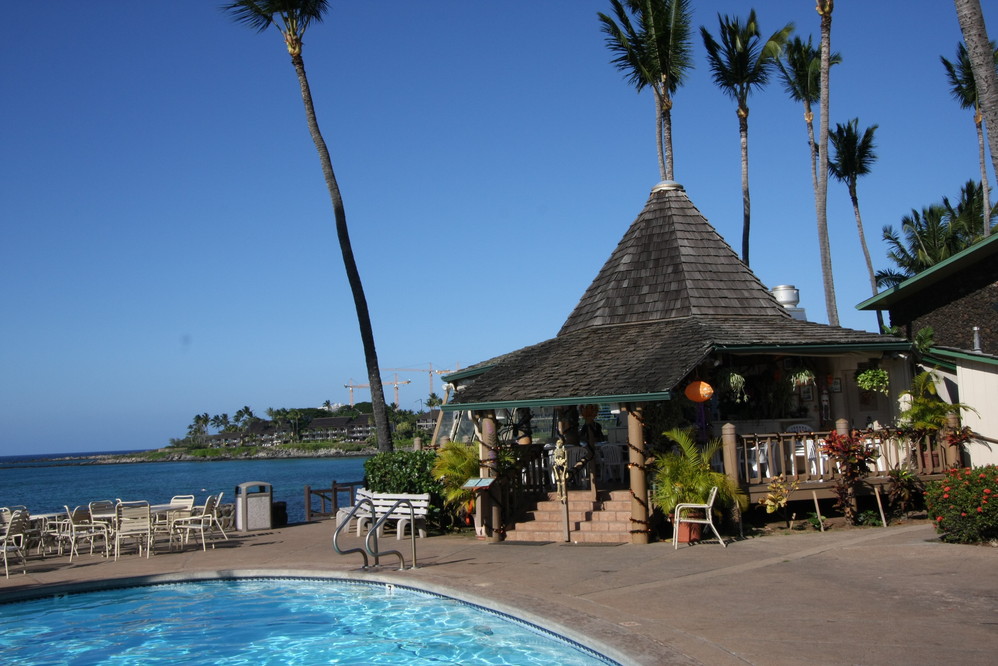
(964,91)
(925,239)
(650,40)
(824,8)
(741,62)
(292,18)
(981,55)
(853,157)
(800,69)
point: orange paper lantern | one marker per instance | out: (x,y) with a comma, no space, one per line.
(699,391)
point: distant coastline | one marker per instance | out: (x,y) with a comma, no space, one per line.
(165,455)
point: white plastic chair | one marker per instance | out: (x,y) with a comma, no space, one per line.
(699,514)
(134,522)
(13,541)
(611,462)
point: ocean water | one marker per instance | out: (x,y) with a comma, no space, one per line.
(47,483)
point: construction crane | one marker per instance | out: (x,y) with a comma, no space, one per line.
(395,383)
(431,372)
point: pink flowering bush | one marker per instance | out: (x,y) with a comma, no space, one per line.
(964,505)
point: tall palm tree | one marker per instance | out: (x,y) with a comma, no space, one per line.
(975,36)
(965,216)
(964,91)
(741,62)
(824,9)
(292,18)
(853,156)
(800,69)
(650,40)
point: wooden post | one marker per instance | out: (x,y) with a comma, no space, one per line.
(487,455)
(729,439)
(308,505)
(842,427)
(639,483)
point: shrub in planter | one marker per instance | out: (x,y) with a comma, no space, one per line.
(407,472)
(964,505)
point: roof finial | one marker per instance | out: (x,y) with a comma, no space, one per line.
(667,186)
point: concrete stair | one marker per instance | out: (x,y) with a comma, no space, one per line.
(600,517)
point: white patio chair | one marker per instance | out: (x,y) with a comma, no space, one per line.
(13,540)
(612,465)
(204,523)
(134,522)
(699,514)
(76,527)
(181,506)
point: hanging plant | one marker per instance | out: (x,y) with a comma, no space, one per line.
(874,379)
(733,384)
(800,377)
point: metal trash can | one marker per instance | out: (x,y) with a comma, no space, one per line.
(253,506)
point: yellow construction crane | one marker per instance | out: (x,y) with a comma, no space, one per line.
(395,383)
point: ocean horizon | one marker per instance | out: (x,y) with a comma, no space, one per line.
(49,482)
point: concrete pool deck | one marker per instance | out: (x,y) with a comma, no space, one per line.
(869,596)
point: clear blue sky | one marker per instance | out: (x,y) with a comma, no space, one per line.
(168,244)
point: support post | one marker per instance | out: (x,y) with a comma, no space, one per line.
(729,450)
(638,480)
(487,454)
(308,505)
(842,427)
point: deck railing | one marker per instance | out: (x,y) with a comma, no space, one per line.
(330,499)
(762,457)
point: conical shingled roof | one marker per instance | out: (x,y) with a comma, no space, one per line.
(671,263)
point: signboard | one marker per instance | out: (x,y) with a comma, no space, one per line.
(477,483)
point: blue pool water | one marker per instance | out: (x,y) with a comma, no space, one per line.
(274,621)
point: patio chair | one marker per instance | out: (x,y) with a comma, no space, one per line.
(78,526)
(699,514)
(134,522)
(611,463)
(181,506)
(204,523)
(13,541)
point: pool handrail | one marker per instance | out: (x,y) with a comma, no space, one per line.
(375,529)
(344,523)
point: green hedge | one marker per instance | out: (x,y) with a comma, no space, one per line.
(402,472)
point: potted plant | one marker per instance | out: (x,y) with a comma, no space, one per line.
(684,475)
(456,463)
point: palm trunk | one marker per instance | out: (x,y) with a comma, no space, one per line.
(866,250)
(982,59)
(985,190)
(659,147)
(821,195)
(667,134)
(349,263)
(746,203)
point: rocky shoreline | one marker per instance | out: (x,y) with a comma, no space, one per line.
(259,454)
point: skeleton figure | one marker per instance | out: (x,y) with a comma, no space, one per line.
(560,469)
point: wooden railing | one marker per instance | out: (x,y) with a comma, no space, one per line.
(762,457)
(330,499)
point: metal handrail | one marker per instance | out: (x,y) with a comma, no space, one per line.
(373,533)
(346,522)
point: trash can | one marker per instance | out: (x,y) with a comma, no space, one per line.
(253,506)
(279,514)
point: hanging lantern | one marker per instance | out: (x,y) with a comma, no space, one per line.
(699,391)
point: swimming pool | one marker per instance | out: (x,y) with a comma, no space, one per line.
(274,621)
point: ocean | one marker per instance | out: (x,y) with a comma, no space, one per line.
(45,483)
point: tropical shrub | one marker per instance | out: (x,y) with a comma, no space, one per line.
(685,475)
(964,505)
(456,463)
(905,492)
(402,472)
(853,457)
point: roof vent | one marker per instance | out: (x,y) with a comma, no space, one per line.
(788,296)
(667,186)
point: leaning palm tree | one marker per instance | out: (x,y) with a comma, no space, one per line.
(981,55)
(824,9)
(740,63)
(292,18)
(961,82)
(650,41)
(853,157)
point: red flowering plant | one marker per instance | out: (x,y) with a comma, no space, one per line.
(853,456)
(964,504)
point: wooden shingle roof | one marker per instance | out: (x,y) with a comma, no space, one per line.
(671,263)
(672,293)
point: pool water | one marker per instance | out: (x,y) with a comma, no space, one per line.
(273,621)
